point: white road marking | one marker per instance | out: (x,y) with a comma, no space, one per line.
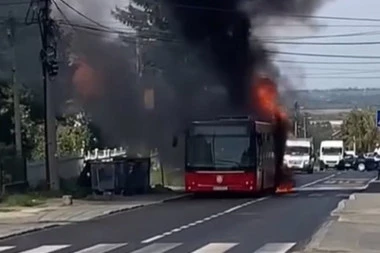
(46,249)
(195,223)
(315,182)
(215,248)
(337,187)
(157,248)
(4,248)
(102,248)
(276,248)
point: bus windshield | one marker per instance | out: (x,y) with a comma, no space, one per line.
(219,152)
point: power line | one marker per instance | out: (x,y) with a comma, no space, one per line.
(342,73)
(158,33)
(62,13)
(331,69)
(278,14)
(83,15)
(375,32)
(324,55)
(338,77)
(358,43)
(328,62)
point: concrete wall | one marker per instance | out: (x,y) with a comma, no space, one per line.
(67,168)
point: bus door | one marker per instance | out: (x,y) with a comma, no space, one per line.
(259,162)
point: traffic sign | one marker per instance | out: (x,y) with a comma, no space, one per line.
(378,118)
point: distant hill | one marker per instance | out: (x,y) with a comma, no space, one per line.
(333,99)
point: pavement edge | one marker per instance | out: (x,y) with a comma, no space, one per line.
(29,230)
(317,238)
(173,198)
(105,214)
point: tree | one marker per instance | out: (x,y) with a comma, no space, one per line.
(161,49)
(319,132)
(73,137)
(360,128)
(28,126)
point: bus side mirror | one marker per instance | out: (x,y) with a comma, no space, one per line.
(175,141)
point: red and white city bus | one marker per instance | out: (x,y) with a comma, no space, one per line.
(233,154)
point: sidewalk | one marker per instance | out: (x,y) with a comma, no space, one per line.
(354,227)
(16,221)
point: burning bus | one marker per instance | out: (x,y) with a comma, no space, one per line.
(239,153)
(235,154)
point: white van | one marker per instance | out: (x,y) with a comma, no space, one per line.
(299,155)
(331,153)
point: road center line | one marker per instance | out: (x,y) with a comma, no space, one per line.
(206,219)
(316,181)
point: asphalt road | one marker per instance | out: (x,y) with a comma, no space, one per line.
(212,225)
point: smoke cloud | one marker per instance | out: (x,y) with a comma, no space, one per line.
(225,31)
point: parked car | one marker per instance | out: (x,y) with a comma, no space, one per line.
(367,162)
(348,162)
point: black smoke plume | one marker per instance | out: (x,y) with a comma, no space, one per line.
(223,30)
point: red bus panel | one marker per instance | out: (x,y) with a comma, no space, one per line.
(213,181)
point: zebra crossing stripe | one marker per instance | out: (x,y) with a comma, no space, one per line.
(275,248)
(102,248)
(4,248)
(46,249)
(157,248)
(215,248)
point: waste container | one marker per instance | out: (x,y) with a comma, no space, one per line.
(137,175)
(125,175)
(107,176)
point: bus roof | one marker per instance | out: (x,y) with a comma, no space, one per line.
(260,126)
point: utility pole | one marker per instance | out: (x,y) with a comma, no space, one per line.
(304,127)
(296,113)
(11,31)
(49,69)
(39,12)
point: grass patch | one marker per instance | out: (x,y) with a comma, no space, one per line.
(25,200)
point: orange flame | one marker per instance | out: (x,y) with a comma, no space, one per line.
(264,95)
(86,80)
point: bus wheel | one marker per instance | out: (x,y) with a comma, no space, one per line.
(310,171)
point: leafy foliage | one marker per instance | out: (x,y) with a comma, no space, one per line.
(360,128)
(161,49)
(320,132)
(73,136)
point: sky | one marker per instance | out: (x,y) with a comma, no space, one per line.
(316,76)
(302,75)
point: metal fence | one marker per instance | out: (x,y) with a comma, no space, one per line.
(13,176)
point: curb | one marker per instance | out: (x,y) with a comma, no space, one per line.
(181,196)
(339,208)
(123,209)
(54,224)
(27,231)
(318,237)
